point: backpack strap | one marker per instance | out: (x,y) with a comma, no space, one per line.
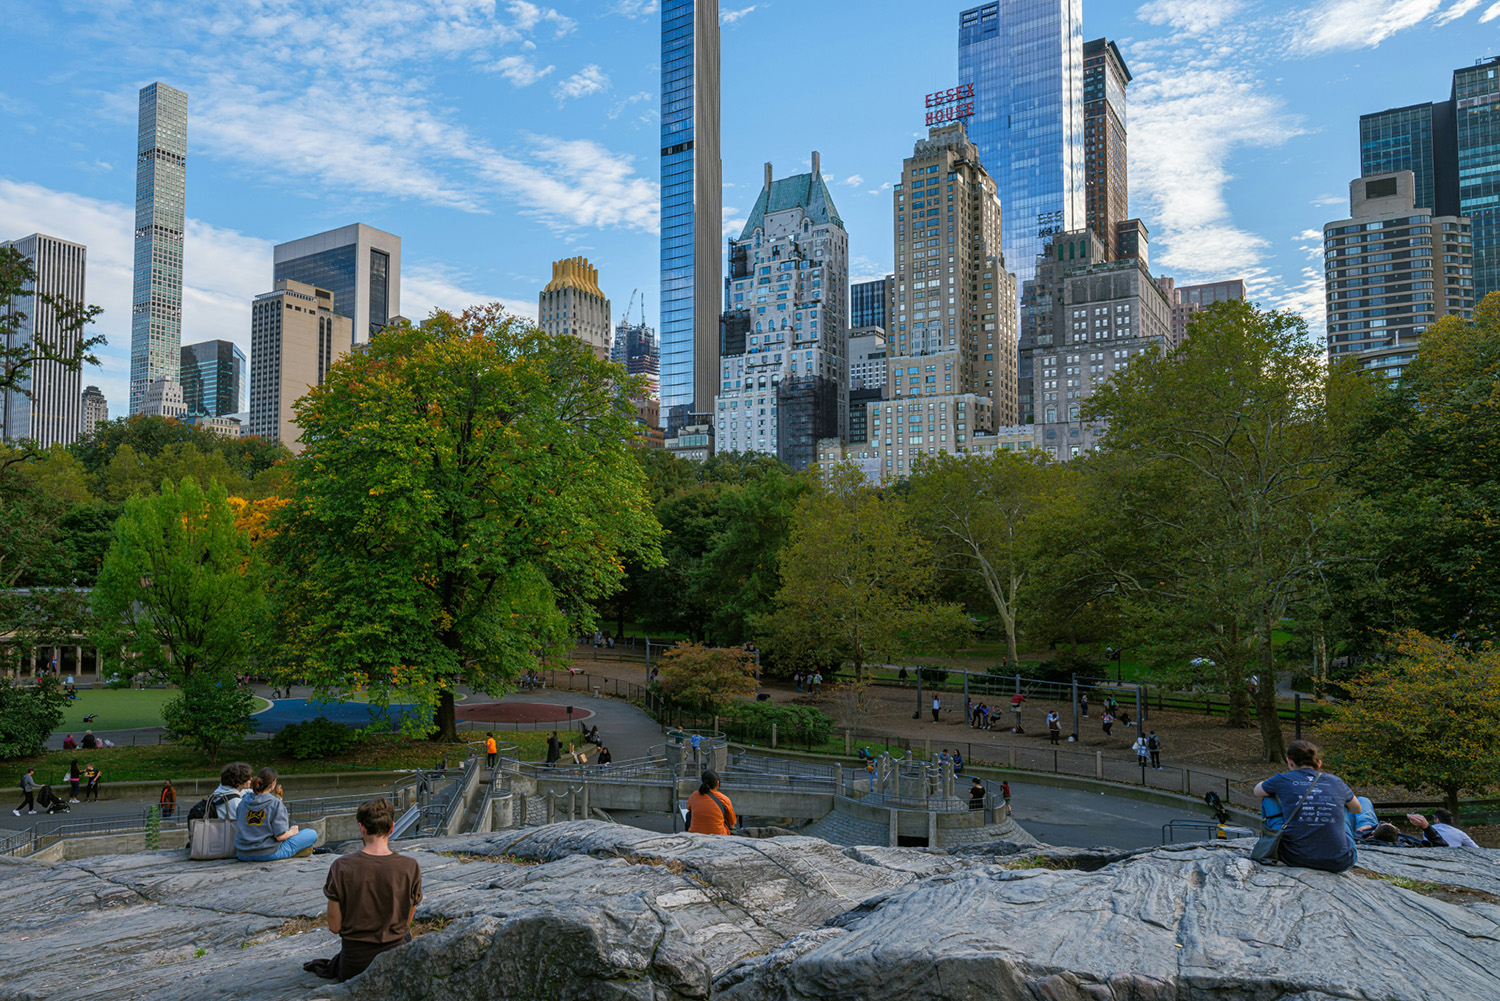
(728,825)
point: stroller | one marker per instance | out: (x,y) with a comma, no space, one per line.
(51,801)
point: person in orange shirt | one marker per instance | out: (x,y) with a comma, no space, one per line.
(709,811)
(491,751)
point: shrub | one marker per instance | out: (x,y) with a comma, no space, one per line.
(28,716)
(316,738)
(209,709)
(706,678)
(809,721)
(933,675)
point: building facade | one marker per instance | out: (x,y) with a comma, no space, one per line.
(95,410)
(1391,269)
(44,407)
(214,378)
(637,348)
(1186,300)
(1025,60)
(1452,149)
(1106,181)
(572,304)
(295,337)
(867,303)
(360,265)
(1100,316)
(227,426)
(160,211)
(164,398)
(867,358)
(691,209)
(784,360)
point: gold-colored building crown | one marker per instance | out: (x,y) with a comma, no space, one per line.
(574,272)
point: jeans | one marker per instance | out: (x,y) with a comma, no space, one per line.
(288,848)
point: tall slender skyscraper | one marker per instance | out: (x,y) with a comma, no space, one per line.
(44,407)
(1106,175)
(160,209)
(691,208)
(1025,60)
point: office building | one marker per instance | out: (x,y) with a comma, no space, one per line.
(867,303)
(637,348)
(1025,61)
(95,410)
(1391,269)
(1452,148)
(225,425)
(43,407)
(213,378)
(1093,317)
(160,211)
(360,265)
(573,305)
(295,337)
(784,359)
(1106,188)
(164,398)
(1186,300)
(691,209)
(867,358)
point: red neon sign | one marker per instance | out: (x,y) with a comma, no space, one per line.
(951,104)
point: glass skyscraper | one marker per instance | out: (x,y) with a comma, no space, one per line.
(359,264)
(213,378)
(160,207)
(1453,149)
(1025,60)
(691,200)
(867,303)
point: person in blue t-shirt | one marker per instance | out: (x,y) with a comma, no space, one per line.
(1316,836)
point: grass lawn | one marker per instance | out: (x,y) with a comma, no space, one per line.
(154,763)
(118,709)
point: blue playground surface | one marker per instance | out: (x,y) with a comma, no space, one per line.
(285,712)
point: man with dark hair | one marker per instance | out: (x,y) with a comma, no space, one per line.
(372,896)
(234,782)
(1442,827)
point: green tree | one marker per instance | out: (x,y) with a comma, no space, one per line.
(1425,721)
(977,509)
(1222,458)
(741,572)
(858,578)
(178,593)
(211,708)
(28,716)
(706,678)
(467,489)
(69,349)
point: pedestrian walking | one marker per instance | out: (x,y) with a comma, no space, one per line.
(1153,745)
(554,749)
(797,679)
(817,682)
(1054,727)
(937,707)
(1108,722)
(28,793)
(168,799)
(1005,796)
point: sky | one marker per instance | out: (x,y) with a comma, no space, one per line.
(495,136)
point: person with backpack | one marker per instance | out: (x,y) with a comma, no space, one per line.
(1153,745)
(28,793)
(224,802)
(710,811)
(1311,812)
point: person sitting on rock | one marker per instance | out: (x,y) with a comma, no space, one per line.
(264,831)
(710,811)
(1315,833)
(372,896)
(604,757)
(1442,826)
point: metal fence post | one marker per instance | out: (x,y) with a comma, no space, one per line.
(1098,764)
(1075,708)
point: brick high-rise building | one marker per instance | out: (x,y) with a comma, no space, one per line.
(1106,187)
(295,337)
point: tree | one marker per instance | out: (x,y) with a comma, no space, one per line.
(28,716)
(69,351)
(858,575)
(1425,721)
(741,572)
(211,708)
(1224,456)
(977,509)
(705,677)
(468,488)
(178,593)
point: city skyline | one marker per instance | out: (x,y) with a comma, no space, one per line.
(1243,135)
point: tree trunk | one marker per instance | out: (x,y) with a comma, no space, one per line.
(1272,741)
(1238,715)
(447,719)
(1450,800)
(1010,640)
(1320,662)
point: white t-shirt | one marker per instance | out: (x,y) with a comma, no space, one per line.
(230,808)
(1454,837)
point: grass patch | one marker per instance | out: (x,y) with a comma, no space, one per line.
(296,926)
(1438,891)
(1041,862)
(481,857)
(117,709)
(153,763)
(422,926)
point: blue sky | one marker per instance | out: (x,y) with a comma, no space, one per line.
(495,136)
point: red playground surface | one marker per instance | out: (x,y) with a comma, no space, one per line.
(520,712)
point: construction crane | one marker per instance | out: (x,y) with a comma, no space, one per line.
(631,305)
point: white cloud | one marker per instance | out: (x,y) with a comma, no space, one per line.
(853,180)
(1323,201)
(425,288)
(643,96)
(731,16)
(519,70)
(589,80)
(731,222)
(637,10)
(1356,24)
(1196,17)
(1490,14)
(578,183)
(1458,10)
(863,269)
(529,15)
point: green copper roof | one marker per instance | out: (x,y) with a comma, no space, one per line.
(805,190)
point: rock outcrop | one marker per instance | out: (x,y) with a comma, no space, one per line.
(599,912)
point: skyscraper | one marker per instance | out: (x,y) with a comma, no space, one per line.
(213,378)
(160,210)
(44,407)
(572,304)
(1025,60)
(1385,273)
(1106,189)
(1186,300)
(691,207)
(359,264)
(636,348)
(295,337)
(1452,149)
(95,409)
(784,361)
(867,303)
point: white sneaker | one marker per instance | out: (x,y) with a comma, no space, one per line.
(32,812)
(16,812)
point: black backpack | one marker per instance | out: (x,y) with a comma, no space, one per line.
(200,810)
(1152,743)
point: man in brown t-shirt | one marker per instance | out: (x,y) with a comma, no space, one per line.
(372,896)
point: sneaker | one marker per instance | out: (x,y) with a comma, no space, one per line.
(16,812)
(304,853)
(32,812)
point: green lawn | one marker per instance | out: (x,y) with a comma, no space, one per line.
(121,709)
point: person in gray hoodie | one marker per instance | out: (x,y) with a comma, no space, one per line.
(28,792)
(264,831)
